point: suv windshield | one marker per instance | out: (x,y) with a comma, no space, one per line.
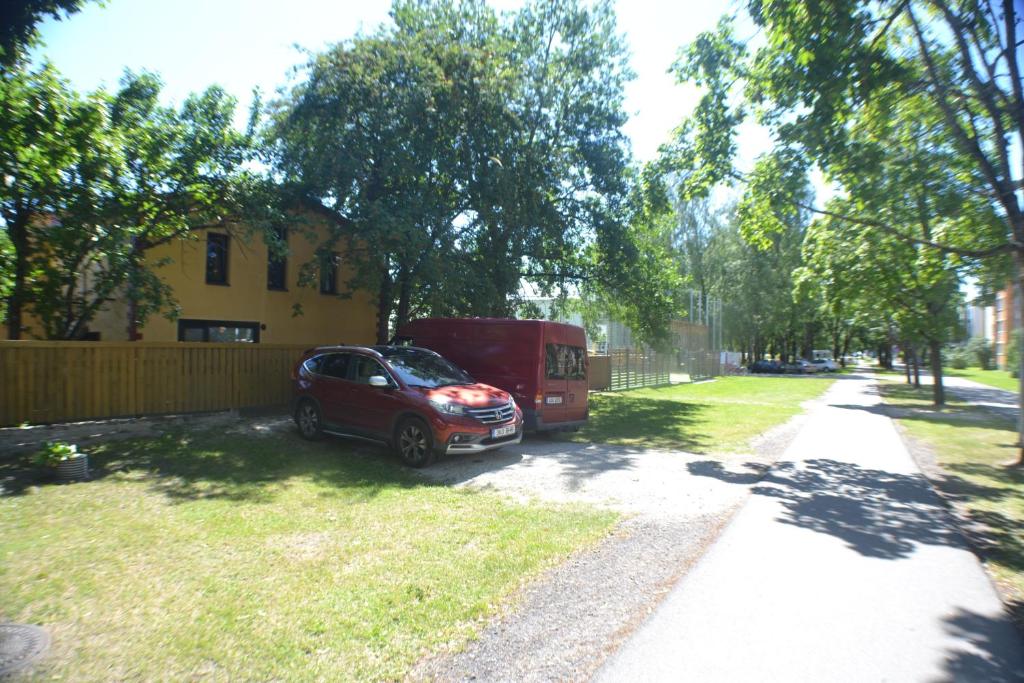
(419,368)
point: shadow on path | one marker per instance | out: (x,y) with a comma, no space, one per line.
(990,657)
(877,513)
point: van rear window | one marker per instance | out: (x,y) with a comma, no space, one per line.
(565,362)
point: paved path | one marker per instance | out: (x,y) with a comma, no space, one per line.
(564,625)
(997,400)
(844,566)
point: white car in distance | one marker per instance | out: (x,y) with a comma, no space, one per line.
(826,365)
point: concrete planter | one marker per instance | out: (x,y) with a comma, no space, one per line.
(74,468)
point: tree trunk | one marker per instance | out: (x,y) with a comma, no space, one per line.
(384,303)
(906,363)
(938,391)
(404,299)
(917,368)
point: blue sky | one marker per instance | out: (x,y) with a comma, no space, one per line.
(242,44)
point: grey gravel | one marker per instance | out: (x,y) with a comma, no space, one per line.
(567,623)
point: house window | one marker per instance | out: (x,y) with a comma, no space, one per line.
(216,259)
(329,274)
(218,331)
(277,262)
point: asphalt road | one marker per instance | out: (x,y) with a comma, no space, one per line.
(843,566)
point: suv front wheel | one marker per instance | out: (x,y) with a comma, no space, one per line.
(307,419)
(414,442)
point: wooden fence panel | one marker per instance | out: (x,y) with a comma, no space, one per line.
(46,382)
(634,368)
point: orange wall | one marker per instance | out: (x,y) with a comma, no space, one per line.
(325,318)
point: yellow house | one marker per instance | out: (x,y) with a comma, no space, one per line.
(230,289)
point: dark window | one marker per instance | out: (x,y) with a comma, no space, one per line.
(335,365)
(313,364)
(277,262)
(366,368)
(218,331)
(216,259)
(565,362)
(552,366)
(329,274)
(419,368)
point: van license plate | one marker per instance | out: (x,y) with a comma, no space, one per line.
(503,431)
(553,400)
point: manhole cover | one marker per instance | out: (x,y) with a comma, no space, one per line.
(20,645)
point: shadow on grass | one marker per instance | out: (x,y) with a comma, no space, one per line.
(188,466)
(654,422)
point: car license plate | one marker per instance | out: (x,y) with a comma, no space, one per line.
(553,400)
(503,431)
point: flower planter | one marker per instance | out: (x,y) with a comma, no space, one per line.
(74,468)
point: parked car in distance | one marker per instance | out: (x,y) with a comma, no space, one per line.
(765,367)
(541,363)
(412,399)
(826,365)
(807,367)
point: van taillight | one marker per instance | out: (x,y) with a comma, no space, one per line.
(539,398)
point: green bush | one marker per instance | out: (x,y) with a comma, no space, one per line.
(957,356)
(1013,354)
(54,453)
(981,352)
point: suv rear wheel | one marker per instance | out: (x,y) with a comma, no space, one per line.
(414,442)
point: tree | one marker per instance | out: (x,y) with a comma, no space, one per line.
(18,24)
(957,63)
(92,183)
(462,151)
(48,140)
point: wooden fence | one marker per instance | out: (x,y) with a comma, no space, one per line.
(599,372)
(631,368)
(45,382)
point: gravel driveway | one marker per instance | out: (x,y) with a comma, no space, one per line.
(564,625)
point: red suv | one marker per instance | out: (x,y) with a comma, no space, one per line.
(411,398)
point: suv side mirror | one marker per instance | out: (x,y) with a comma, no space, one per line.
(379,381)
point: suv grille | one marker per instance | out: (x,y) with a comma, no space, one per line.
(493,415)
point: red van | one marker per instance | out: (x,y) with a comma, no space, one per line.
(543,364)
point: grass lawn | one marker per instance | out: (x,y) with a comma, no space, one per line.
(719,416)
(971,445)
(899,393)
(241,557)
(1000,379)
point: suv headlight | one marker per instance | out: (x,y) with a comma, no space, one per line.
(449,408)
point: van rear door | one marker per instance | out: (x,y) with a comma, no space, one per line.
(556,384)
(576,383)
